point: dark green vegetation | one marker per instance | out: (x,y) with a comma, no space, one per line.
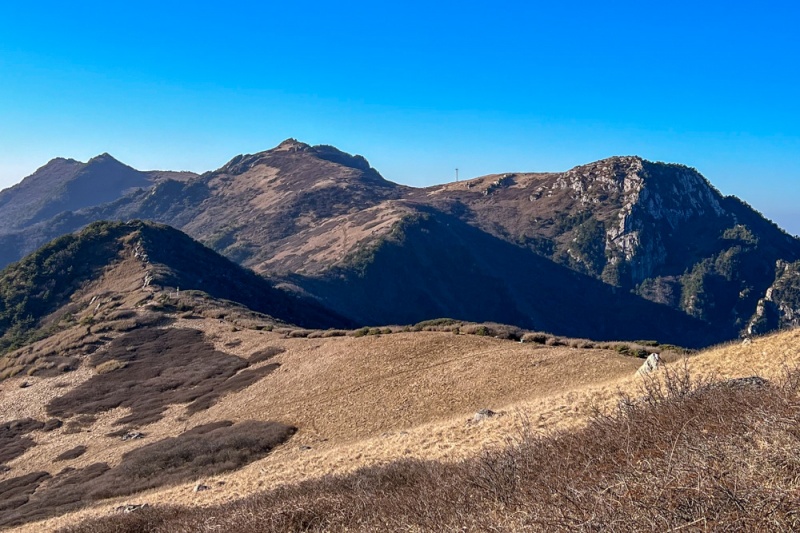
(45,280)
(687,455)
(148,369)
(202,451)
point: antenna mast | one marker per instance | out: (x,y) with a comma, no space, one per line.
(456,175)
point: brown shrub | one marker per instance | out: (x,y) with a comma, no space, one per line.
(163,367)
(265,354)
(72,453)
(14,440)
(110,366)
(79,423)
(238,382)
(49,495)
(686,455)
(16,492)
(52,424)
(203,451)
(538,338)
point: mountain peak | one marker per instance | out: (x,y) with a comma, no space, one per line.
(105,157)
(615,165)
(290,145)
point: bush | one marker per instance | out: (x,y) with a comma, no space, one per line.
(110,366)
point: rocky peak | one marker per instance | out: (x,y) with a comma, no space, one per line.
(311,164)
(290,145)
(640,204)
(780,306)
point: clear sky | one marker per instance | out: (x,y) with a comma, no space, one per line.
(418,88)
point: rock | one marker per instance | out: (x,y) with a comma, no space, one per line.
(483,414)
(650,364)
(130,507)
(305,448)
(200,487)
(751,381)
(133,435)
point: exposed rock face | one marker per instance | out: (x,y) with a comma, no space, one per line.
(640,205)
(780,306)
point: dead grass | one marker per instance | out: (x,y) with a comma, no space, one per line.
(376,399)
(687,454)
(265,354)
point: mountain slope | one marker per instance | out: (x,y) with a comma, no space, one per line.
(30,210)
(659,231)
(434,265)
(37,293)
(67,185)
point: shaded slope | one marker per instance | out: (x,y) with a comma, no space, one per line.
(45,281)
(66,185)
(659,230)
(435,265)
(65,195)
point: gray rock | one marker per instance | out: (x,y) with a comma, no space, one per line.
(650,364)
(483,414)
(130,507)
(132,435)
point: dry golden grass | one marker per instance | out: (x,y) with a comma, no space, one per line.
(371,400)
(688,454)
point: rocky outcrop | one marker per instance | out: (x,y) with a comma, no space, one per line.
(642,204)
(780,306)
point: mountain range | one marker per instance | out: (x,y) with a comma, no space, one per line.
(241,350)
(622,248)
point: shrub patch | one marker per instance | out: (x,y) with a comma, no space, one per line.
(154,368)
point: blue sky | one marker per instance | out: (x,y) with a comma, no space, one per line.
(417,88)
